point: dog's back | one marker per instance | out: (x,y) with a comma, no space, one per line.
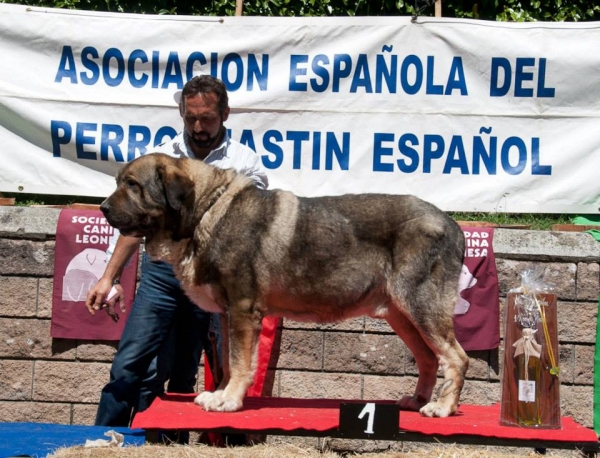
(330,256)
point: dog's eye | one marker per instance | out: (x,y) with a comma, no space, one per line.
(130,183)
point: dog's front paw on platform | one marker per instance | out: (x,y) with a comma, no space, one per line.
(217,402)
(209,401)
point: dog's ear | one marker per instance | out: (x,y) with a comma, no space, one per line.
(177,185)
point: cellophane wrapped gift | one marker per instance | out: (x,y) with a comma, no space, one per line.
(530,373)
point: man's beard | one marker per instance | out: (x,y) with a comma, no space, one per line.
(205,143)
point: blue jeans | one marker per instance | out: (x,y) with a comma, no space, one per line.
(162,340)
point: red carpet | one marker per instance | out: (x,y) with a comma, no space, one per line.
(177,411)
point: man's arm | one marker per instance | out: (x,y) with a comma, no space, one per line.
(96,297)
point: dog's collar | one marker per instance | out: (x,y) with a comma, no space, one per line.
(217,207)
(214,198)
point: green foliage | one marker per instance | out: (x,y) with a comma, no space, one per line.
(509,10)
(556,10)
(523,10)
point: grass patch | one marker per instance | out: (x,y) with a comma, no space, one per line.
(537,221)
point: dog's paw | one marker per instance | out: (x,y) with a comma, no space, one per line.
(209,400)
(435,409)
(217,402)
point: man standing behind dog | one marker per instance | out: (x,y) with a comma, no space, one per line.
(145,359)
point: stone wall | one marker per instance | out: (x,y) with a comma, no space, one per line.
(59,380)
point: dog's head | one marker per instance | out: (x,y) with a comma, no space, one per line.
(154,193)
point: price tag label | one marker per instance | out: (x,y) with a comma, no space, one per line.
(369,420)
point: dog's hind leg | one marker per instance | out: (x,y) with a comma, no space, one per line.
(426,359)
(423,290)
(452,359)
(454,363)
(437,331)
(438,349)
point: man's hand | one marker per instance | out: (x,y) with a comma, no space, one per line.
(100,296)
(105,295)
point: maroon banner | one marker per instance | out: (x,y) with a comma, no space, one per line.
(82,237)
(477,312)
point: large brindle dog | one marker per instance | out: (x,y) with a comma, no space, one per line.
(246,253)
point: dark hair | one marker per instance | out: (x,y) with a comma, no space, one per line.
(203,84)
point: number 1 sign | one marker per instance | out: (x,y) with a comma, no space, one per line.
(360,420)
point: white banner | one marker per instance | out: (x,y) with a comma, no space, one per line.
(469,115)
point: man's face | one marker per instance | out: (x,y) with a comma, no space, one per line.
(202,120)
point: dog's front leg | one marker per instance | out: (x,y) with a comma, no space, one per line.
(212,400)
(224,323)
(243,332)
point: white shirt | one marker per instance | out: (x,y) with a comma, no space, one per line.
(228,155)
